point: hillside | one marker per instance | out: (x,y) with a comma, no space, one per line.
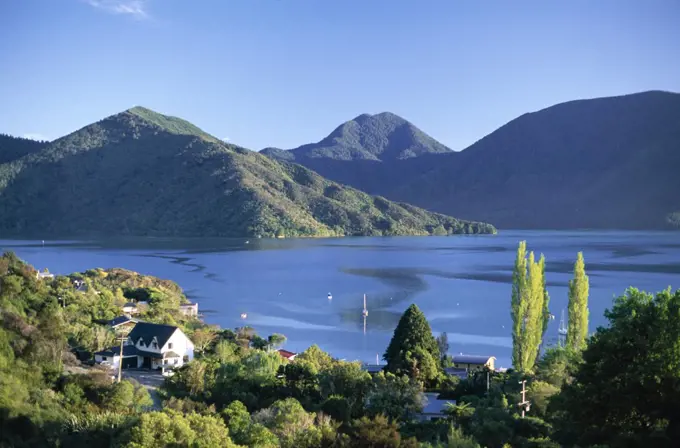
(597,163)
(12,148)
(379,137)
(142,173)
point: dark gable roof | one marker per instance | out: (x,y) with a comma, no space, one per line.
(148,331)
(128,350)
(471,359)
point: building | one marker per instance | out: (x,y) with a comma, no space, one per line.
(471,362)
(434,407)
(150,346)
(453,371)
(190,309)
(290,356)
(44,276)
(372,368)
(132,308)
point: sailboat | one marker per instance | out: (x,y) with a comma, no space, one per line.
(562,332)
(365,312)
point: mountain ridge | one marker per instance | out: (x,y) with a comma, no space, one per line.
(606,143)
(140,173)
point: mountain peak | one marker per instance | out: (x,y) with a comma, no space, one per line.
(168,123)
(380,137)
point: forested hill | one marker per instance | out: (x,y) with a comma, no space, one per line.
(597,163)
(378,137)
(142,173)
(12,148)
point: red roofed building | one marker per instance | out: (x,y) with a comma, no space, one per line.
(286,354)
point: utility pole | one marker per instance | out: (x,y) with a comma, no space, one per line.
(120,360)
(487,381)
(524,404)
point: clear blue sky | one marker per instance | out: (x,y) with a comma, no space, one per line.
(287,72)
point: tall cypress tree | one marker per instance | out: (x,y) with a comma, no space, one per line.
(519,279)
(579,287)
(413,349)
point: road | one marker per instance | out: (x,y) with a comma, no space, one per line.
(151,380)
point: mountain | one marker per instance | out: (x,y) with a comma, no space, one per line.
(608,163)
(379,137)
(142,173)
(12,148)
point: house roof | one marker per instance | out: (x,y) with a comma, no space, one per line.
(286,354)
(170,354)
(128,350)
(147,331)
(372,368)
(130,305)
(120,320)
(434,406)
(472,359)
(188,305)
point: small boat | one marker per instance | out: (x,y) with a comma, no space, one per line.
(330,296)
(243,315)
(365,312)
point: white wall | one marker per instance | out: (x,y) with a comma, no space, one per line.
(180,345)
(112,360)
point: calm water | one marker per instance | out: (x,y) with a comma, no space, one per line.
(461,283)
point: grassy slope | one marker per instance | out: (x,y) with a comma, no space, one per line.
(141,173)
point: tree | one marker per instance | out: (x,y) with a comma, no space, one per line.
(375,432)
(443,344)
(577,330)
(276,340)
(519,279)
(626,391)
(528,308)
(546,302)
(202,338)
(411,345)
(396,397)
(285,418)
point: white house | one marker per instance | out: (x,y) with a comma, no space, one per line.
(150,346)
(190,309)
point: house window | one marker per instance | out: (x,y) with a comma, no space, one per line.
(185,358)
(103,358)
(169,345)
(155,344)
(174,361)
(165,361)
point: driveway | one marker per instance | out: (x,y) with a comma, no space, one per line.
(151,380)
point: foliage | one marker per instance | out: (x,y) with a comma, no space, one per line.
(413,350)
(577,331)
(397,397)
(528,309)
(625,393)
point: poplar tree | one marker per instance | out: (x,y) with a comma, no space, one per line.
(529,309)
(519,279)
(577,329)
(546,305)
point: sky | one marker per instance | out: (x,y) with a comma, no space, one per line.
(287,72)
